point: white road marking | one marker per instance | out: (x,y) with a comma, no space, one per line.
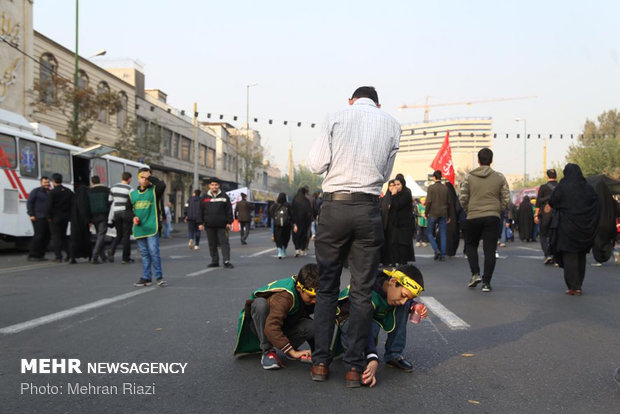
(70,312)
(261,252)
(172,246)
(443,313)
(179,257)
(29,267)
(201,272)
(541,258)
(528,248)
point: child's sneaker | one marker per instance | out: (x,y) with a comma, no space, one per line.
(191,244)
(161,282)
(270,360)
(142,282)
(196,247)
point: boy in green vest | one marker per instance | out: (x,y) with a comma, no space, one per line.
(277,316)
(146,206)
(392,302)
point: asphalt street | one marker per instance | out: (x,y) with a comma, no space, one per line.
(526,347)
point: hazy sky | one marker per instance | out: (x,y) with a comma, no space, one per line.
(308,58)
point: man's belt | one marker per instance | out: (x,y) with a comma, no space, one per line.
(350,197)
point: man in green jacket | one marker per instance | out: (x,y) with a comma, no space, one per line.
(146,206)
(484,196)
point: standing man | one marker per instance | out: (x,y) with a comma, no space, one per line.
(99,201)
(193,216)
(437,213)
(37,201)
(217,218)
(58,211)
(242,213)
(356,148)
(484,196)
(543,214)
(121,217)
(147,212)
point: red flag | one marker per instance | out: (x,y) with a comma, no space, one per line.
(443,160)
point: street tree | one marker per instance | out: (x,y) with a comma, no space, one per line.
(59,94)
(140,141)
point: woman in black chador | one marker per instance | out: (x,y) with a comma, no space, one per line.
(456,214)
(400,226)
(526,220)
(280,213)
(79,244)
(302,218)
(576,216)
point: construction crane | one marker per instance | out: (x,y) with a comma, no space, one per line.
(427,106)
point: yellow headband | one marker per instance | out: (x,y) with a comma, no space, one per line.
(311,292)
(405,281)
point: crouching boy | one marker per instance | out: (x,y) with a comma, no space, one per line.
(277,316)
(392,302)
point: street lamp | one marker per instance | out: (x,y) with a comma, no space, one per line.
(102,52)
(247,129)
(524,149)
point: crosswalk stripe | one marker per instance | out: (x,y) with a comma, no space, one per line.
(443,313)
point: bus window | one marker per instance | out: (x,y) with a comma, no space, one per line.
(116,170)
(55,160)
(134,175)
(28,158)
(7,151)
(99,166)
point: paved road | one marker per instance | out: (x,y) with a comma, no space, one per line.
(525,347)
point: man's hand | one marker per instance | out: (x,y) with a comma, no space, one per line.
(32,218)
(368,377)
(448,220)
(298,354)
(201,227)
(294,228)
(536,220)
(229,227)
(136,221)
(420,309)
(185,219)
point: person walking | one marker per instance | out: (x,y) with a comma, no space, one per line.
(193,216)
(281,219)
(437,214)
(543,213)
(576,217)
(58,212)
(400,229)
(217,218)
(168,219)
(526,220)
(121,218)
(456,216)
(243,214)
(356,149)
(80,244)
(147,212)
(99,202)
(421,237)
(484,195)
(35,207)
(301,218)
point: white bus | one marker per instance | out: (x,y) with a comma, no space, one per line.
(30,151)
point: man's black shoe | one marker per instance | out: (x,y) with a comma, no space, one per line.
(96,261)
(127,261)
(401,363)
(475,279)
(215,264)
(110,255)
(244,242)
(437,256)
(228,265)
(442,258)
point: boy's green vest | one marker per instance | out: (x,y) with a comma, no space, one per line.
(383,314)
(145,208)
(422,222)
(247,341)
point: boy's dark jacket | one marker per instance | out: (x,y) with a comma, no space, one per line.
(216,210)
(285,306)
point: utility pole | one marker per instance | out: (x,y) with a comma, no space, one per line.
(291,170)
(544,156)
(196,146)
(75,76)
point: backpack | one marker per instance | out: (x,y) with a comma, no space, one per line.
(280,216)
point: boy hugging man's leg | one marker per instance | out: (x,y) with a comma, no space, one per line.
(392,302)
(277,316)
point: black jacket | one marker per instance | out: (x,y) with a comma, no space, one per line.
(243,211)
(216,210)
(59,202)
(193,208)
(37,202)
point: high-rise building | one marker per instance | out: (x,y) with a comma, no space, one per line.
(420,142)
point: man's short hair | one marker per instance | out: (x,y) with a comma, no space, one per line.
(551,173)
(144,169)
(366,92)
(44,177)
(243,195)
(308,276)
(57,178)
(214,180)
(95,179)
(485,156)
(437,174)
(196,192)
(126,176)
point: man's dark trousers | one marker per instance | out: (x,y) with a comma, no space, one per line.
(348,230)
(218,236)
(41,238)
(244,228)
(58,229)
(123,225)
(487,229)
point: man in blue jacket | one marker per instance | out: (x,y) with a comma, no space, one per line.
(37,200)
(217,218)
